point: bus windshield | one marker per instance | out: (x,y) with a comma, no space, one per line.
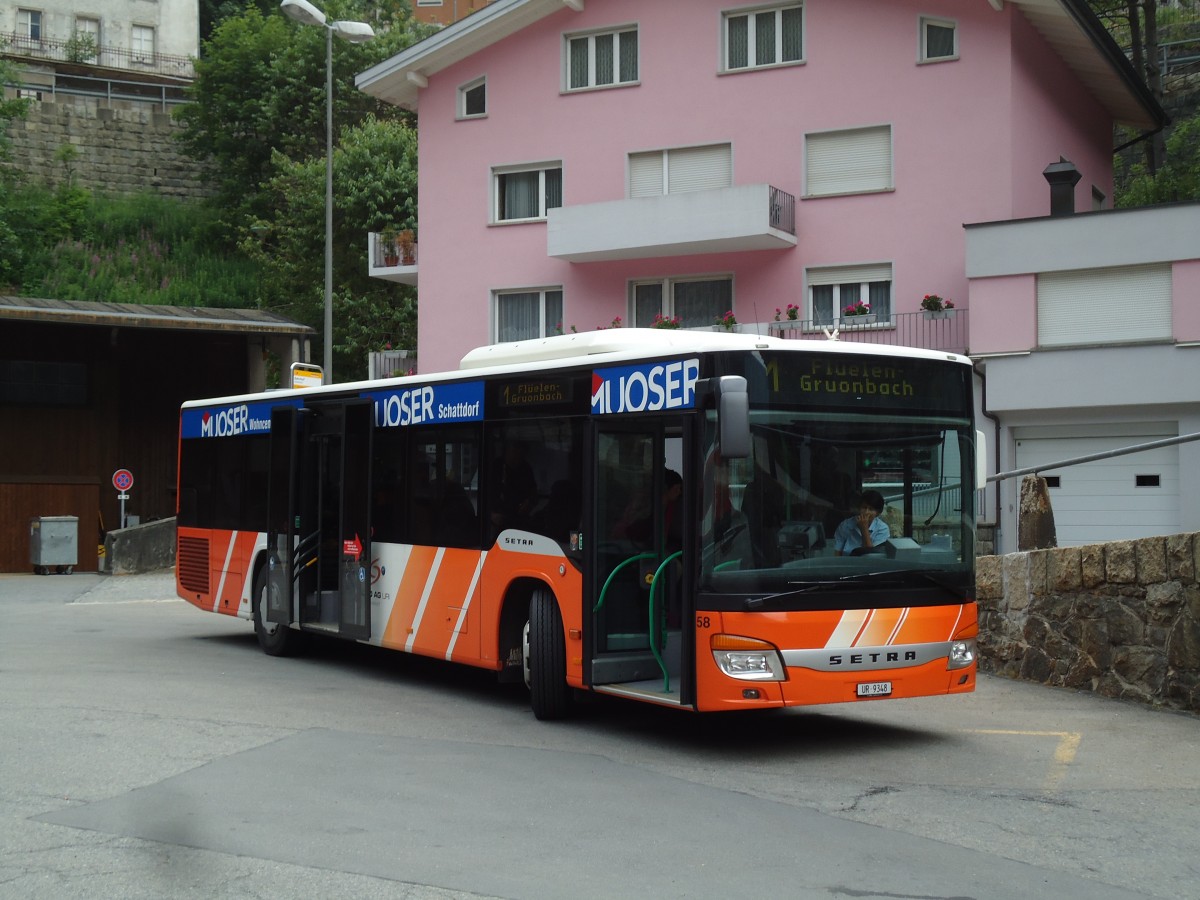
(859,473)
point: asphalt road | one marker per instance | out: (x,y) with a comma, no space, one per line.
(148,749)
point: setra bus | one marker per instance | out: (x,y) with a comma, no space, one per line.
(646,513)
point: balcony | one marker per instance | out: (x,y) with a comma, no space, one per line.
(726,220)
(384,261)
(918,329)
(105,55)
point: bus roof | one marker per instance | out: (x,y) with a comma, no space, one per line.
(604,347)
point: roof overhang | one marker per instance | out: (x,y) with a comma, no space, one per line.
(1073,30)
(397,80)
(1069,26)
(133,315)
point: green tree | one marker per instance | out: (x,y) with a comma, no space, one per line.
(1176,180)
(260,88)
(374,187)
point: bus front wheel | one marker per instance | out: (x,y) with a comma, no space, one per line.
(275,639)
(545,655)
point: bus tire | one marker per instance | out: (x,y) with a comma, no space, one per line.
(546,657)
(275,640)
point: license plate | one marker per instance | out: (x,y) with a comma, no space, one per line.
(875,689)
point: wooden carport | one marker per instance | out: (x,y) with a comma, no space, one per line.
(88,388)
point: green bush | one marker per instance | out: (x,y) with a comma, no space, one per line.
(141,249)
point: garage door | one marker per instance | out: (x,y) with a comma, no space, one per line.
(1116,499)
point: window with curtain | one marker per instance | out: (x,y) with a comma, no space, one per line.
(524,194)
(939,39)
(697,302)
(523,315)
(472,99)
(602,59)
(764,37)
(831,290)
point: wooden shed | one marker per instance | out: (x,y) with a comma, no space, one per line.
(90,388)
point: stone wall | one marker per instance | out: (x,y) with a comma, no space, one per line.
(1121,619)
(120,149)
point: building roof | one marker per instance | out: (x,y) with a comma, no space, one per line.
(1069,26)
(134,315)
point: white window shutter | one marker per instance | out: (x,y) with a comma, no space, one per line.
(849,162)
(1131,303)
(699,168)
(646,174)
(850,274)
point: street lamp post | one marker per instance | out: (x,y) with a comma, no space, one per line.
(357,33)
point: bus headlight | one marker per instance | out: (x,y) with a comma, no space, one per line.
(962,654)
(747,658)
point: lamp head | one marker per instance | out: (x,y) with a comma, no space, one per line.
(302,11)
(354,32)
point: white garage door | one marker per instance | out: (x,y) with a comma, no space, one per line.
(1115,499)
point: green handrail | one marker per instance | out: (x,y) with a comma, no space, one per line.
(654,629)
(608,581)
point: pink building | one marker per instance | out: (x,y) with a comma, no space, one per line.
(588,160)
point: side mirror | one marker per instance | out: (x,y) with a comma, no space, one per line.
(733,417)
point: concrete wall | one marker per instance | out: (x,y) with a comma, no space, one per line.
(120,151)
(1121,619)
(140,548)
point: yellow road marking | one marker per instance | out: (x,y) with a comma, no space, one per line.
(1064,752)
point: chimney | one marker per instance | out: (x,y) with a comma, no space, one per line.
(1063,176)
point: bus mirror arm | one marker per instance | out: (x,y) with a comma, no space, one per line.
(733,413)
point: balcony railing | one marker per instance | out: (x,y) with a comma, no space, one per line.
(106,89)
(14,44)
(948,332)
(384,261)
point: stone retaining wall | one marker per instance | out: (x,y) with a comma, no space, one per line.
(120,150)
(1121,619)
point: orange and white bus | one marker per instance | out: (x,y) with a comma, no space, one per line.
(669,516)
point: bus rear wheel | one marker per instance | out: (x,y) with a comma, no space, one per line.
(275,639)
(545,653)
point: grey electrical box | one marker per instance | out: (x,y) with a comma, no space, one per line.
(54,542)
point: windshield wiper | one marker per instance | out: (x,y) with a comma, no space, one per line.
(933,577)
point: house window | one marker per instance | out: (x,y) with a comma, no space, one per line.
(677,171)
(522,315)
(602,59)
(764,37)
(525,194)
(697,302)
(832,289)
(472,99)
(939,40)
(29,24)
(86,25)
(857,161)
(142,43)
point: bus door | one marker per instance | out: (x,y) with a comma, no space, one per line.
(283,482)
(638,587)
(333,555)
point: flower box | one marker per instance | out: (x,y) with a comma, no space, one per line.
(867,319)
(940,313)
